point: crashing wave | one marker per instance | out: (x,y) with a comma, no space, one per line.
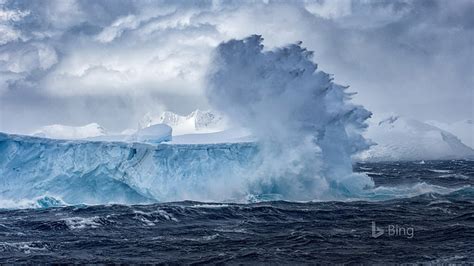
(306,125)
(26,203)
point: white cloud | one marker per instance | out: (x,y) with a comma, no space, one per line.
(117,28)
(7,32)
(329,9)
(12,15)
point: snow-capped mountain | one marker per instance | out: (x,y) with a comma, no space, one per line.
(401,138)
(463,129)
(196,122)
(70,132)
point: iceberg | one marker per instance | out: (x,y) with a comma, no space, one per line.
(94,172)
(40,172)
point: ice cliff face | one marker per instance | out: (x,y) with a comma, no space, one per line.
(106,172)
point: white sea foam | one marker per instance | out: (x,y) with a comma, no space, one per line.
(26,247)
(441,171)
(211,206)
(37,202)
(150,218)
(75,223)
(405,191)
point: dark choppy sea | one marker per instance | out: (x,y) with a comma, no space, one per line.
(428,228)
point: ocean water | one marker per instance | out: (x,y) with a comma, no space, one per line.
(427,228)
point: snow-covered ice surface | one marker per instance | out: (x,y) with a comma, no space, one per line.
(153,134)
(233,135)
(70,132)
(401,138)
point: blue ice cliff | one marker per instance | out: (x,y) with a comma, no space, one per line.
(94,172)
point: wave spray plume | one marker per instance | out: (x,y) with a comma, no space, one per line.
(306,125)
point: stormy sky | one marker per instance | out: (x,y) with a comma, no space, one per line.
(76,62)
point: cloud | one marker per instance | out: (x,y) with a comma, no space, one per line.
(410,57)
